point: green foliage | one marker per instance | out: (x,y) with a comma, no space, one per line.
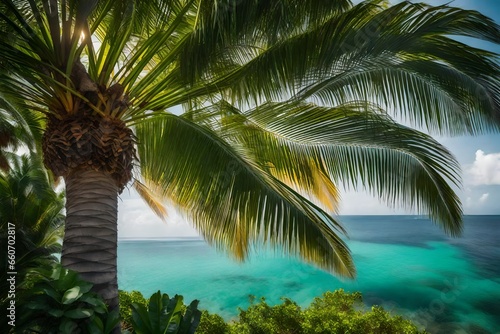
(165,315)
(31,224)
(29,203)
(126,300)
(18,127)
(261,318)
(61,302)
(212,324)
(341,312)
(335,312)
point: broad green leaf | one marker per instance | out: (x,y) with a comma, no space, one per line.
(71,295)
(91,299)
(68,326)
(140,319)
(56,313)
(53,294)
(112,320)
(155,311)
(79,313)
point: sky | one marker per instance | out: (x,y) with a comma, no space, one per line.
(478,156)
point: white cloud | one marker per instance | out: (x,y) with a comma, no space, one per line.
(479,203)
(486,169)
(137,220)
(484,197)
(362,203)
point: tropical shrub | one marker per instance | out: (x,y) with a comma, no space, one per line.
(340,312)
(335,312)
(212,324)
(31,225)
(261,318)
(127,298)
(34,210)
(61,302)
(165,315)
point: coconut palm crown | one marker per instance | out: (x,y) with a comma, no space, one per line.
(282,102)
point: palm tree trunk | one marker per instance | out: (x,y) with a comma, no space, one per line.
(90,237)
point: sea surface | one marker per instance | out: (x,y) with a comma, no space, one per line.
(404,263)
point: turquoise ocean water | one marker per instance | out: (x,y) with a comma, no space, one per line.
(404,263)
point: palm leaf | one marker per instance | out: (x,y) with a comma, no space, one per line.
(400,57)
(231,200)
(19,127)
(356,144)
(152,199)
(299,169)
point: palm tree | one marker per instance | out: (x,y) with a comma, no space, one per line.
(30,205)
(283,102)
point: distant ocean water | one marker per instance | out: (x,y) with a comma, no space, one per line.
(404,263)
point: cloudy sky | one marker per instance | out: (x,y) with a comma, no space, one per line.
(478,156)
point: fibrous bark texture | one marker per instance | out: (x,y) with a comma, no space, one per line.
(90,237)
(85,141)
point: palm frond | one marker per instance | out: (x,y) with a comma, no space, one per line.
(241,26)
(400,57)
(152,199)
(300,170)
(28,125)
(426,93)
(357,144)
(231,200)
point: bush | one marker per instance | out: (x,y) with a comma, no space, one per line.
(212,324)
(335,312)
(158,314)
(261,318)
(126,301)
(341,312)
(61,302)
(31,214)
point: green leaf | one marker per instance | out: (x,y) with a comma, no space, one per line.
(37,305)
(68,326)
(85,286)
(92,299)
(155,309)
(191,318)
(171,313)
(71,295)
(79,313)
(140,319)
(57,272)
(56,313)
(112,319)
(53,294)
(96,326)
(242,183)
